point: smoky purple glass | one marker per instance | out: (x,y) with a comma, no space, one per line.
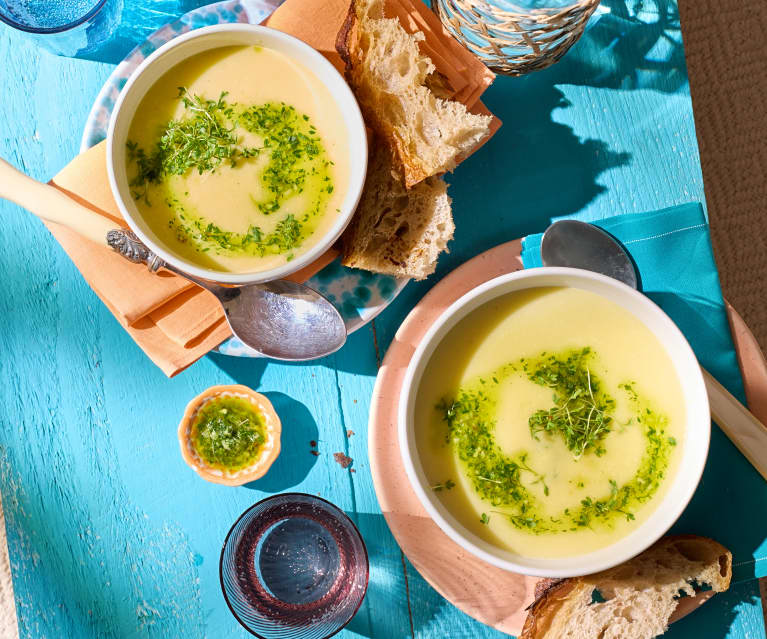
(294,565)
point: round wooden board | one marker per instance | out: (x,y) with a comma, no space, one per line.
(493,596)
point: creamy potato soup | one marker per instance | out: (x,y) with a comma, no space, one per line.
(549,421)
(238,159)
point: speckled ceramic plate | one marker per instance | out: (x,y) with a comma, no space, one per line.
(358,295)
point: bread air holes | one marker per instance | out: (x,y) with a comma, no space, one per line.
(724,564)
(693,551)
(403,65)
(697,588)
(402,203)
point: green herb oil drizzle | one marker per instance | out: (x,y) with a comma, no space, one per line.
(582,415)
(205,139)
(228,433)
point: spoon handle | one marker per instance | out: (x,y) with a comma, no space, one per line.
(50,204)
(127,244)
(738,423)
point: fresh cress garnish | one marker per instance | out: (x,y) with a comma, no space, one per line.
(582,414)
(208,137)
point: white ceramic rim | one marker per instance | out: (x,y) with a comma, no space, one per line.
(696,439)
(144,77)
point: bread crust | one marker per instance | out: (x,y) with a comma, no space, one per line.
(548,614)
(343,38)
(397,231)
(542,587)
(542,614)
(345,46)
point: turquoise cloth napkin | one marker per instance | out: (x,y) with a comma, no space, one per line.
(672,251)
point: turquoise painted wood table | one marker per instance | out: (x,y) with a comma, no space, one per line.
(110,534)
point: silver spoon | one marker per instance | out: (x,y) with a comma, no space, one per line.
(281,319)
(580,245)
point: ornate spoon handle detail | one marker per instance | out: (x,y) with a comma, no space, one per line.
(127,244)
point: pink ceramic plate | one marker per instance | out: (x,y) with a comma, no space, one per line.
(490,595)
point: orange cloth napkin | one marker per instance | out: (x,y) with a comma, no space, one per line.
(174,321)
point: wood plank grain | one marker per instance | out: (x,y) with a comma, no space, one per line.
(384,612)
(724,46)
(110,534)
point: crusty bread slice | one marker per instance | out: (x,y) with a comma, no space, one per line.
(390,78)
(395,230)
(639,596)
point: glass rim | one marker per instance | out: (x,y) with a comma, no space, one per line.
(293,494)
(50,30)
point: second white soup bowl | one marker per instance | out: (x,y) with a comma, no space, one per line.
(696,429)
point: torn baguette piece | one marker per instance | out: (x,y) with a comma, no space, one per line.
(391,79)
(635,599)
(398,231)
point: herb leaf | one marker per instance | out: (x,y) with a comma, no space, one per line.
(228,433)
(581,412)
(196,230)
(290,145)
(201,140)
(446,486)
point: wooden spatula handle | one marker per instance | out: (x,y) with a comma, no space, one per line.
(51,204)
(738,423)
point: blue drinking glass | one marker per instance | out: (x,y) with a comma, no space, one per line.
(294,566)
(64,27)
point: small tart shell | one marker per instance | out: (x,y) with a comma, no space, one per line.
(269,450)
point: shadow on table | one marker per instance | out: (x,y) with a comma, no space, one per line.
(357,356)
(385,610)
(729,484)
(717,618)
(392,603)
(293,464)
(539,168)
(637,45)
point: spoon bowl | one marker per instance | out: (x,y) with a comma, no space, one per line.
(581,245)
(283,320)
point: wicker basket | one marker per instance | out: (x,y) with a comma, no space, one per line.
(511,40)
